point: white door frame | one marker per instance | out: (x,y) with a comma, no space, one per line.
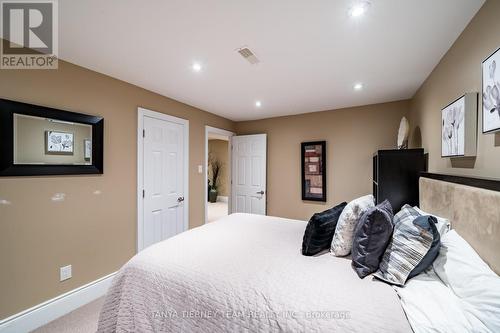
(229,134)
(141,113)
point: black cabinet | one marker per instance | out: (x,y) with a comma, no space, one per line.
(395,176)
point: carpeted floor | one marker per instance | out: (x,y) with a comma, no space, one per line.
(216,210)
(81,320)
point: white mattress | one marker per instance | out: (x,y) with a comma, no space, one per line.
(245,273)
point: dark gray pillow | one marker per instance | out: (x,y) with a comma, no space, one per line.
(320,229)
(427,223)
(371,236)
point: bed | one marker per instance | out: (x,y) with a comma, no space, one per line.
(245,273)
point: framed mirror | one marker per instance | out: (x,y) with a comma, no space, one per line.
(36,140)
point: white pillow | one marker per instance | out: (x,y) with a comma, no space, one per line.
(431,306)
(344,232)
(443,225)
(470,278)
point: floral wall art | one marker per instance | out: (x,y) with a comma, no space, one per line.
(453,129)
(87,148)
(58,143)
(459,127)
(491,93)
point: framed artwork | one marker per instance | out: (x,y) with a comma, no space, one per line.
(87,149)
(491,93)
(58,143)
(459,127)
(452,129)
(313,155)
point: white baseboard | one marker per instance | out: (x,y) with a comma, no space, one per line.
(46,312)
(222,198)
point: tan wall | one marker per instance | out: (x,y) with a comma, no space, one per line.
(219,149)
(30,141)
(457,73)
(94,228)
(353,135)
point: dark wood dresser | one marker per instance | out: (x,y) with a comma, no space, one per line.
(395,176)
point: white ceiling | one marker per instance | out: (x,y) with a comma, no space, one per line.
(311,51)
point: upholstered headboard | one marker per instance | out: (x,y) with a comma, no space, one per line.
(473,207)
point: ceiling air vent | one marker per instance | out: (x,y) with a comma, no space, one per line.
(248,55)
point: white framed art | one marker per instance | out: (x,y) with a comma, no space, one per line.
(59,143)
(459,127)
(491,93)
(87,147)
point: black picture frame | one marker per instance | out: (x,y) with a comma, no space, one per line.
(495,130)
(7,167)
(306,186)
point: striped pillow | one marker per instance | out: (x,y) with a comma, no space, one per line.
(409,245)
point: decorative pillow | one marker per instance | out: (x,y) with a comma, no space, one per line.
(371,236)
(406,214)
(427,223)
(443,225)
(319,231)
(342,239)
(409,245)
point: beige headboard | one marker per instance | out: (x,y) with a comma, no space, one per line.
(474,212)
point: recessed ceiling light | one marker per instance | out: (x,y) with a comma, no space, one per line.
(258,104)
(358,86)
(359,9)
(196,67)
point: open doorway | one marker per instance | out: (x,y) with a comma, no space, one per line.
(217,173)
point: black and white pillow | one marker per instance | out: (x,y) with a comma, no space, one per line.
(320,229)
(412,248)
(443,225)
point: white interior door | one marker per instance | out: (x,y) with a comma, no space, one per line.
(249,174)
(164,149)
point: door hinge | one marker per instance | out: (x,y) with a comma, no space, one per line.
(143,194)
(143,133)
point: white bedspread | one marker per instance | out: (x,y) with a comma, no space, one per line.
(245,273)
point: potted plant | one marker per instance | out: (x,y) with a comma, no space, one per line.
(208,189)
(216,167)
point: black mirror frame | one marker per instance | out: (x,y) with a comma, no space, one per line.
(9,169)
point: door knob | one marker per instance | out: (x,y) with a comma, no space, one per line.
(261,192)
(180,199)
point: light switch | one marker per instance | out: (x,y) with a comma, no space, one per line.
(200,168)
(65,273)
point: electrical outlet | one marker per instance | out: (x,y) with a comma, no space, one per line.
(200,168)
(65,273)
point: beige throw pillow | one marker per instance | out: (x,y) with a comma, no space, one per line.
(344,232)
